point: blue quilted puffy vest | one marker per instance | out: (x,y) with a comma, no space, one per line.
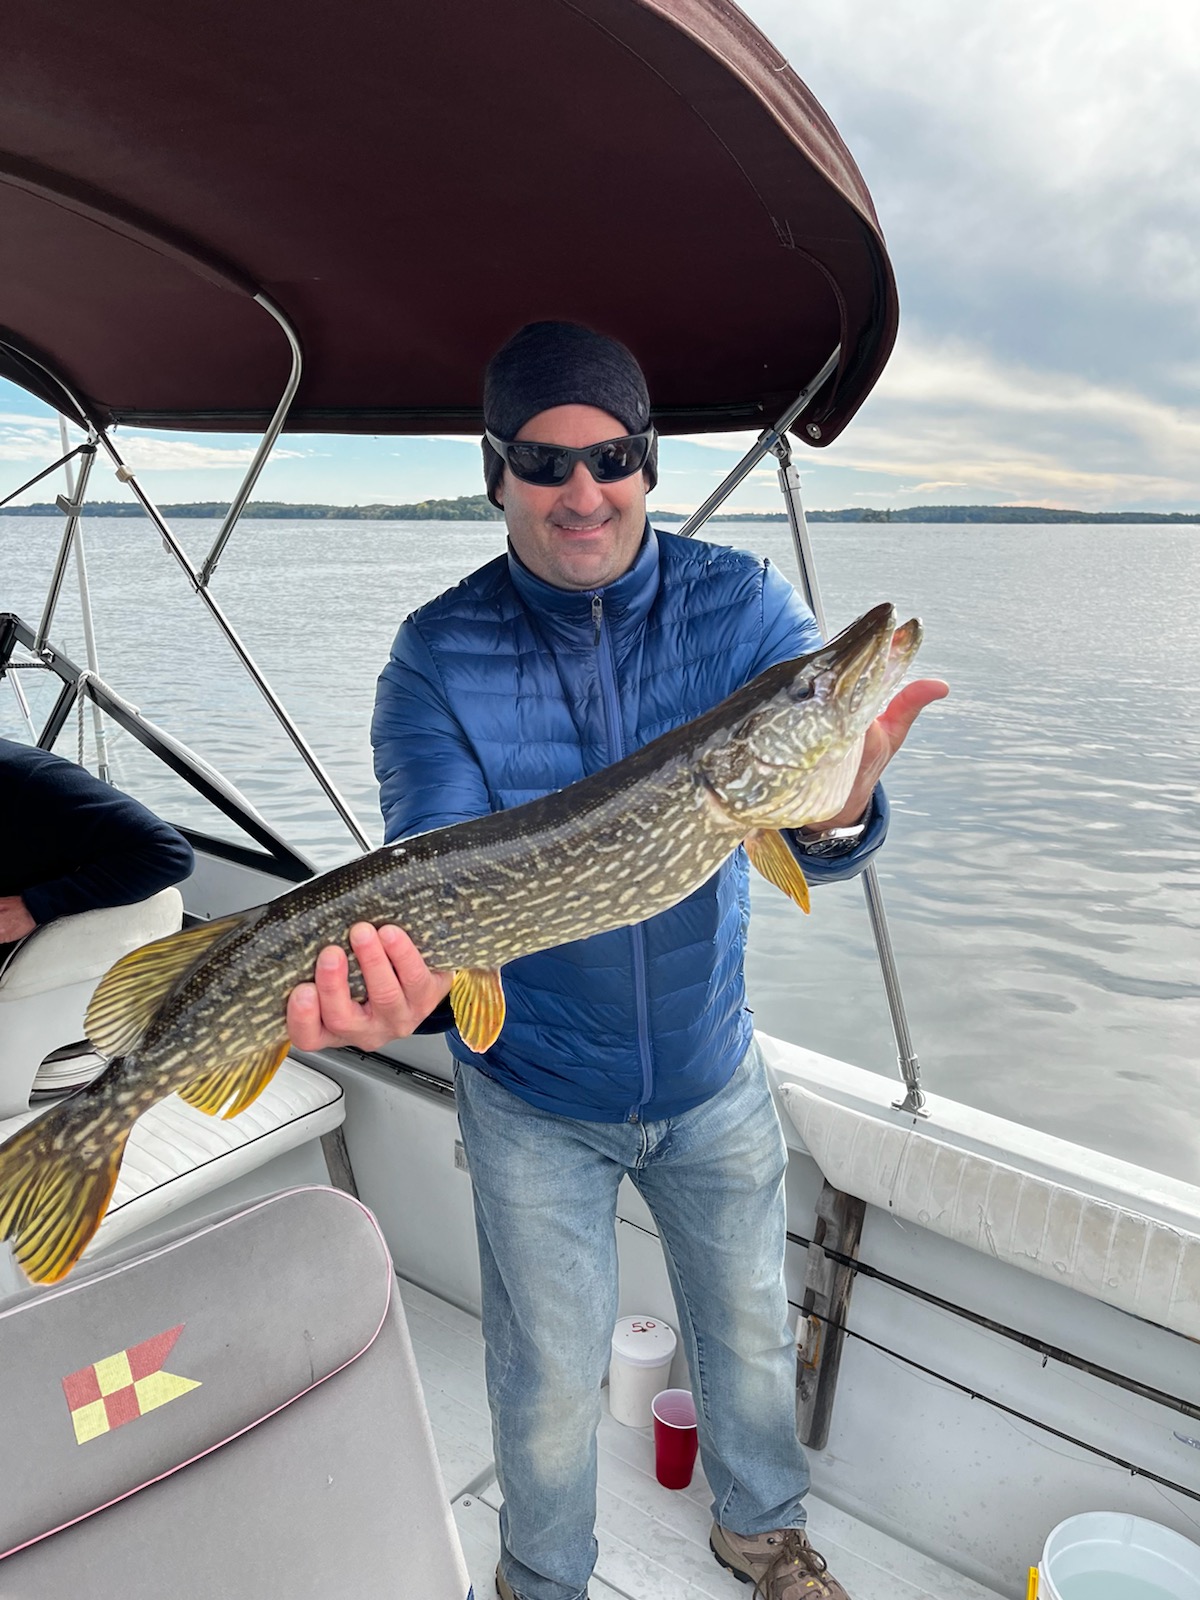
(504,689)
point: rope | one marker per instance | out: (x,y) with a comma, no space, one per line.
(81,683)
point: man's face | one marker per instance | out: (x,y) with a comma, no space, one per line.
(583,534)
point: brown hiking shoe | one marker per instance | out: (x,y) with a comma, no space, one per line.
(781,1565)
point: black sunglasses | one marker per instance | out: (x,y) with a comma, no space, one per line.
(549,465)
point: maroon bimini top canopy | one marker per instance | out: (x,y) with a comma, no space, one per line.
(409,181)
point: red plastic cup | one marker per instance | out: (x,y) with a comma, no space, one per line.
(675,1438)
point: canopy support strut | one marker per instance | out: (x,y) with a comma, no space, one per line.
(762,446)
(266,444)
(45,472)
(308,755)
(914,1096)
(75,496)
(773,441)
(70,509)
(199,581)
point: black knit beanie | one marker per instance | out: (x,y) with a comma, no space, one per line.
(550,364)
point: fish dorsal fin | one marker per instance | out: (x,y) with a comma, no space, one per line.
(477,997)
(768,852)
(130,994)
(245,1080)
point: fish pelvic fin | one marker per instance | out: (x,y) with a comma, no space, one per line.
(132,992)
(769,853)
(245,1080)
(57,1175)
(477,997)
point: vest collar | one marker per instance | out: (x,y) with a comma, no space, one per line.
(627,601)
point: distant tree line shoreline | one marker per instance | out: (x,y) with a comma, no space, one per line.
(478,508)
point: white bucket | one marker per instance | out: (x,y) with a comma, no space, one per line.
(642,1348)
(1107,1555)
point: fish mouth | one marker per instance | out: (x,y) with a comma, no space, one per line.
(847,682)
(858,670)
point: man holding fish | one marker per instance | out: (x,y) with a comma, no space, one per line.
(632,1051)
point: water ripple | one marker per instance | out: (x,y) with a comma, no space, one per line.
(1041,873)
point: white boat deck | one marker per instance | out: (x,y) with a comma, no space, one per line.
(653,1541)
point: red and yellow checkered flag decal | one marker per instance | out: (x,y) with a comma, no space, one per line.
(123,1387)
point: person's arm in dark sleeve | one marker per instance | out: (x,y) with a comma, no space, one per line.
(114,851)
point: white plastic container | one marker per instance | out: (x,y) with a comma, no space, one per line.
(642,1349)
(1107,1555)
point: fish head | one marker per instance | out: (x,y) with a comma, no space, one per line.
(792,758)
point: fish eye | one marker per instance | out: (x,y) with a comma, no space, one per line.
(801,689)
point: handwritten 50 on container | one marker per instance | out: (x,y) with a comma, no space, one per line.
(642,1351)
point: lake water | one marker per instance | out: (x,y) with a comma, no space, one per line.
(1042,876)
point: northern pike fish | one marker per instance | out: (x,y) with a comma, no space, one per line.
(202,1013)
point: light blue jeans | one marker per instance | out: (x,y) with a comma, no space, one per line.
(545,1205)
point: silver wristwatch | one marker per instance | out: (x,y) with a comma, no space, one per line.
(831,841)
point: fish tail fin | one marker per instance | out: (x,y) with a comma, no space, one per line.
(57,1175)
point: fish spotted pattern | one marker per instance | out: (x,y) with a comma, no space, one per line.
(203,1012)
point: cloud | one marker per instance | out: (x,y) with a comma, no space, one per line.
(954,420)
(1036,169)
(153,453)
(27,439)
(1035,166)
(955,415)
(36,440)
(931,488)
(948,374)
(739,442)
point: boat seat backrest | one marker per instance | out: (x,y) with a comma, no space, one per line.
(232,1411)
(48,981)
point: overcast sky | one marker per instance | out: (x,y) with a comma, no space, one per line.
(1036,169)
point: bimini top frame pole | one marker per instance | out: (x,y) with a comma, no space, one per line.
(79,684)
(914,1097)
(199,580)
(71,508)
(762,446)
(75,496)
(266,444)
(774,441)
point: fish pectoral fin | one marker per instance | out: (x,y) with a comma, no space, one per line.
(52,1200)
(477,997)
(768,851)
(130,993)
(245,1080)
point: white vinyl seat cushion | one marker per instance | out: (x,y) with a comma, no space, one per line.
(177,1154)
(48,982)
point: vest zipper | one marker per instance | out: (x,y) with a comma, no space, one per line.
(616,749)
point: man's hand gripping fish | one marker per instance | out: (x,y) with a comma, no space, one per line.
(202,1013)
